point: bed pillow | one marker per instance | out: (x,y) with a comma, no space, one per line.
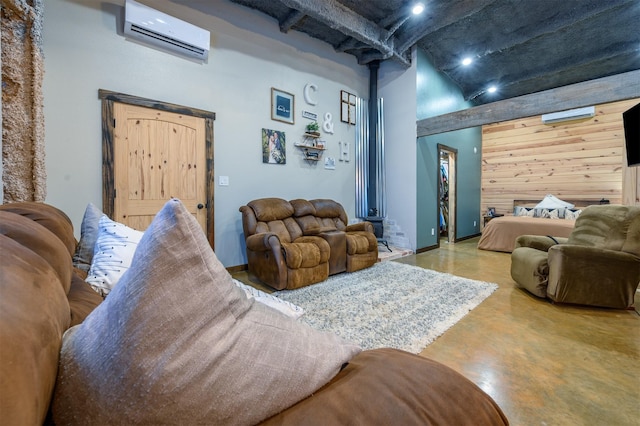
(549,213)
(176,341)
(114,249)
(523,211)
(88,235)
(553,202)
(572,214)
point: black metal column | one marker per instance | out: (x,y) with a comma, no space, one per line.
(373,135)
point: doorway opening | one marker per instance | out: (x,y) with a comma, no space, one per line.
(447,193)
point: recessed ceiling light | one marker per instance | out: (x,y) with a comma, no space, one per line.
(467,61)
(418,8)
(492,89)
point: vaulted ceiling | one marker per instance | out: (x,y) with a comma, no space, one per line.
(520,46)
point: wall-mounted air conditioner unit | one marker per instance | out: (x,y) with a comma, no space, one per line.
(158,29)
(571,114)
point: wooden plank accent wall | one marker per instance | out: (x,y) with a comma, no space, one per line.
(578,160)
(631,186)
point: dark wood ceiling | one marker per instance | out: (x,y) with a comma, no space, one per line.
(521,46)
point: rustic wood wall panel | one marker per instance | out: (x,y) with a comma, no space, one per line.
(579,160)
(631,186)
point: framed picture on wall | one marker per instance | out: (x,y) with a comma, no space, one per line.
(347,107)
(282,106)
(273,147)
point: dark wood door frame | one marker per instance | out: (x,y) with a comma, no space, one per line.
(452,198)
(108,183)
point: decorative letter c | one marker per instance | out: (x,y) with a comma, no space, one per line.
(307,95)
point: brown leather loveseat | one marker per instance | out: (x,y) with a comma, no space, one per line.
(291,244)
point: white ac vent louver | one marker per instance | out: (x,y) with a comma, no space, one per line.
(166,32)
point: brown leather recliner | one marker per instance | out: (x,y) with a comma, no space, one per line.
(353,247)
(278,253)
(599,264)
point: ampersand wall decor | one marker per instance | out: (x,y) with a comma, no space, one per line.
(327,126)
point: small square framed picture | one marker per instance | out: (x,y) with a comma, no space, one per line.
(491,211)
(282,106)
(347,107)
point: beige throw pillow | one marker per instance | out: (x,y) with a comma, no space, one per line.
(176,342)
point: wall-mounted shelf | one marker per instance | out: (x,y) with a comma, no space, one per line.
(311,151)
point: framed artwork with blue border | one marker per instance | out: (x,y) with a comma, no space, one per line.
(282,106)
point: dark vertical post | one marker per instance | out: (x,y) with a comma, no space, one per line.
(373,135)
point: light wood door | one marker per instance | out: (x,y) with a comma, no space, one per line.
(158,155)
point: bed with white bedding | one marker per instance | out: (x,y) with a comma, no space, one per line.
(500,233)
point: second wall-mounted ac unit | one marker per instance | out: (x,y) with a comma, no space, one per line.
(571,114)
(166,32)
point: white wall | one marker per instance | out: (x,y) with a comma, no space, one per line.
(85,51)
(397,86)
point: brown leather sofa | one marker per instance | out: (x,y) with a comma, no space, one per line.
(598,264)
(42,295)
(295,243)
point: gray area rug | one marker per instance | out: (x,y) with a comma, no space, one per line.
(390,304)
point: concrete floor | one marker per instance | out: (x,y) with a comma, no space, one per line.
(544,364)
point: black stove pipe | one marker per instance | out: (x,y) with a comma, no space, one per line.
(373,133)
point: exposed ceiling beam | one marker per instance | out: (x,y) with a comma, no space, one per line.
(394,17)
(602,90)
(293,18)
(392,30)
(371,55)
(348,44)
(339,17)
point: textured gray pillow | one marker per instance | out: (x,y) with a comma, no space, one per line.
(88,236)
(176,342)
